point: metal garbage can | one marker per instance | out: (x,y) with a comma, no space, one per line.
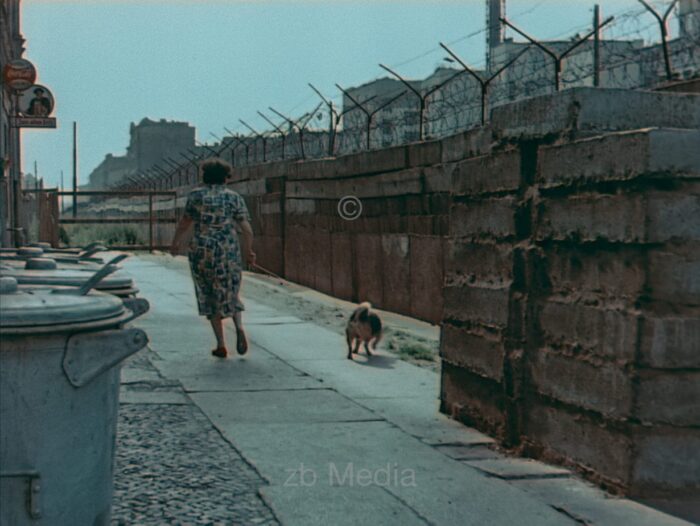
(59,394)
(45,272)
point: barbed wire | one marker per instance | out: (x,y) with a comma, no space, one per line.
(632,59)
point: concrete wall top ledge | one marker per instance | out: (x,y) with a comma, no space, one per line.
(594,109)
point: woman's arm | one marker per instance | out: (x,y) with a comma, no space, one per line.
(247,243)
(182,227)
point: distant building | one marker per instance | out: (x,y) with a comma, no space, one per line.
(149,143)
(112,170)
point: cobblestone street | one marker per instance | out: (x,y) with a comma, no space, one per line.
(173,467)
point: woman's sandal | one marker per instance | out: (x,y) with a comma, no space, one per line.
(241,343)
(220,352)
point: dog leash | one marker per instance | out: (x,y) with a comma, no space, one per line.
(265,271)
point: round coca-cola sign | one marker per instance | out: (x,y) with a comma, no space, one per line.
(18,74)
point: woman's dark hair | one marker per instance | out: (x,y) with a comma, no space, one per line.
(215,171)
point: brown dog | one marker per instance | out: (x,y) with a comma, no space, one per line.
(363,326)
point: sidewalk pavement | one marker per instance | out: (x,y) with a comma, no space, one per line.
(322,440)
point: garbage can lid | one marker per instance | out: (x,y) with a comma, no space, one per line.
(33,252)
(36,275)
(34,308)
(40,264)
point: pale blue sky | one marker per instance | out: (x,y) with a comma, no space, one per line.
(211,62)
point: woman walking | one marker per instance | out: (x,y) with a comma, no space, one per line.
(215,253)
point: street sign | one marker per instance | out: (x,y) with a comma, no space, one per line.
(33,122)
(18,74)
(35,101)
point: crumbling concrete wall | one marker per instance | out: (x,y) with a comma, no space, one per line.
(572,295)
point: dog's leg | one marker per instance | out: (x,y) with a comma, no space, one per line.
(357,345)
(349,340)
(367,348)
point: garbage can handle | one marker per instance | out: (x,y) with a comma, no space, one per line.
(90,354)
(33,503)
(109,268)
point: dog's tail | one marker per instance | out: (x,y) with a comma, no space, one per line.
(365,306)
(362,311)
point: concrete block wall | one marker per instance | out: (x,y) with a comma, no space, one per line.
(572,298)
(392,255)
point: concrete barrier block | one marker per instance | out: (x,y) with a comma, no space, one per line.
(593,217)
(669,397)
(605,332)
(467,144)
(374,161)
(426,277)
(674,215)
(292,248)
(621,156)
(671,341)
(477,304)
(474,400)
(605,388)
(498,172)
(368,265)
(421,225)
(573,438)
(675,276)
(596,272)
(424,153)
(481,353)
(487,218)
(594,110)
(438,178)
(320,259)
(316,169)
(305,254)
(396,270)
(667,463)
(342,266)
(393,224)
(299,206)
(490,263)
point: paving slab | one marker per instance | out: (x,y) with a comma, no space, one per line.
(589,505)
(469,452)
(133,376)
(518,468)
(381,376)
(300,341)
(153,397)
(420,417)
(274,407)
(255,372)
(340,506)
(440,490)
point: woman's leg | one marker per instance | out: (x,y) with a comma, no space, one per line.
(241,339)
(217,326)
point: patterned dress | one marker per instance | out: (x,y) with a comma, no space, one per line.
(215,254)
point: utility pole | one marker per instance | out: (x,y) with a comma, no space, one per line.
(75,169)
(596,46)
(61,207)
(36,177)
